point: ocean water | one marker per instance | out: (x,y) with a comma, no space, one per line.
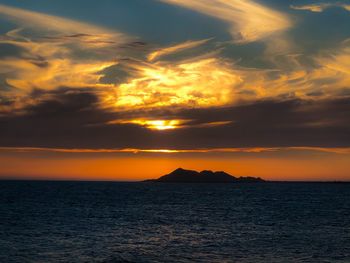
(140,222)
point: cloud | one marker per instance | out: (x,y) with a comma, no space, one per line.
(51,72)
(163,125)
(174,49)
(189,81)
(248,20)
(333,74)
(320,7)
(71,118)
(143,85)
(178,84)
(48,52)
(52,55)
(50,23)
(342,151)
(192,82)
(346,7)
(72,86)
(318,76)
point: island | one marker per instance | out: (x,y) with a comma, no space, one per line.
(189,176)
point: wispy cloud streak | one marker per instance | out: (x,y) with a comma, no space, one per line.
(174,151)
(175,48)
(248,20)
(50,23)
(320,7)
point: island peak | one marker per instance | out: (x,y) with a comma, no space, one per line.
(181,175)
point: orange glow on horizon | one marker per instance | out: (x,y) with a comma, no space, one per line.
(65,166)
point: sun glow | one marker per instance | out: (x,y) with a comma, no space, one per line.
(162,124)
(159,125)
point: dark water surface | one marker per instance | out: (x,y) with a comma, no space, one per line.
(136,222)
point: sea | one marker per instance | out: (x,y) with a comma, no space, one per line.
(154,222)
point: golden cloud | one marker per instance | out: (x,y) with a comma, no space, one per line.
(205,82)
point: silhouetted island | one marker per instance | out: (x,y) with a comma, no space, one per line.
(189,176)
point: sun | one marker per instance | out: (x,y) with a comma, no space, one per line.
(162,125)
(158,125)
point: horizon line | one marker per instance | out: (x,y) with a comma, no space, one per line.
(140,181)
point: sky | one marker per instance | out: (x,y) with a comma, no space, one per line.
(129,90)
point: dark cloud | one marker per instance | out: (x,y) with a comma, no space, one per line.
(117,74)
(10,50)
(3,83)
(125,69)
(60,101)
(65,118)
(274,124)
(71,118)
(88,38)
(40,62)
(135,45)
(13,51)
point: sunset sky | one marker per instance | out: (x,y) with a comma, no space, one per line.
(128,90)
